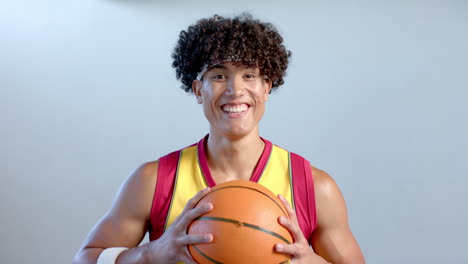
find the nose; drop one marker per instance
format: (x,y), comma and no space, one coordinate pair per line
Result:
(236,86)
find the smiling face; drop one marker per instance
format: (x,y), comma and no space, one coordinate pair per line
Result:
(233,98)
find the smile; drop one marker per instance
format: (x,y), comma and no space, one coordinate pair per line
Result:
(235,108)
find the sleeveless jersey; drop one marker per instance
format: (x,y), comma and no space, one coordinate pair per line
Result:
(183,173)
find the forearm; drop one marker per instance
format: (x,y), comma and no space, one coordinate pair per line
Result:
(87,256)
(320,260)
(130,256)
(135,255)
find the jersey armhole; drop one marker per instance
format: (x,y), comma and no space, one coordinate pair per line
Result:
(311,196)
(167,168)
(304,195)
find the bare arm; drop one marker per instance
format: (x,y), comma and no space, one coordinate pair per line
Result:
(333,239)
(125,224)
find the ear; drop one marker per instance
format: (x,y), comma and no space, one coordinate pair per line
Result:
(196,88)
(267,84)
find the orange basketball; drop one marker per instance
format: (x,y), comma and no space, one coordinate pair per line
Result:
(244,224)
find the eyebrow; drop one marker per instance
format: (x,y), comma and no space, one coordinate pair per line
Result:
(222,67)
(218,66)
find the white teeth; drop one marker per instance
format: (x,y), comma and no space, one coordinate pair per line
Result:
(235,108)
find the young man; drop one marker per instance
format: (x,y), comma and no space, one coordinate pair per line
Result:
(231,65)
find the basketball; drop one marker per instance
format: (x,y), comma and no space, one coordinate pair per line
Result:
(244,225)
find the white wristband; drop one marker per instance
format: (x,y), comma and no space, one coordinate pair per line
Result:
(109,255)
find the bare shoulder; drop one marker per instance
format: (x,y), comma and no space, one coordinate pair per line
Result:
(333,239)
(146,171)
(135,195)
(330,203)
(125,222)
(145,174)
(324,185)
(329,200)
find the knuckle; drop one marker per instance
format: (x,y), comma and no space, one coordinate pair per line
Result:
(191,203)
(180,241)
(174,243)
(289,249)
(191,214)
(296,228)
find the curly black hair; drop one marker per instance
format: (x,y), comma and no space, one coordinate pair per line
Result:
(241,39)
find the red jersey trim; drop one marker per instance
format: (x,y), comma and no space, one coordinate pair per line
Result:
(311,194)
(262,162)
(204,163)
(258,171)
(302,184)
(304,196)
(163,193)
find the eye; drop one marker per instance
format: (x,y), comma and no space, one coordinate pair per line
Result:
(249,76)
(219,77)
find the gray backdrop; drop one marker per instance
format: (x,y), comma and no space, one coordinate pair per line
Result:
(376,95)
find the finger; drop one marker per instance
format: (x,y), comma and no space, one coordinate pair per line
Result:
(292,224)
(289,209)
(291,249)
(293,228)
(192,203)
(187,259)
(195,199)
(194,239)
(291,212)
(187,256)
(189,216)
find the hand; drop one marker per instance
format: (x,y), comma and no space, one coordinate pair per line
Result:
(171,247)
(300,250)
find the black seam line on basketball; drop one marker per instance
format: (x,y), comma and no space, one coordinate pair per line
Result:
(243,224)
(206,256)
(250,188)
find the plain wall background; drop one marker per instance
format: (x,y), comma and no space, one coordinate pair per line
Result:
(376,95)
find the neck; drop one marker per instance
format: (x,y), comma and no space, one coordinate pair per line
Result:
(233,159)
